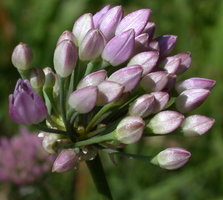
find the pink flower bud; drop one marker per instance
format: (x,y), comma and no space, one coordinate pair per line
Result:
(110,22)
(66,160)
(191,99)
(83,100)
(195,83)
(185,62)
(65,58)
(196,125)
(171,64)
(130,130)
(120,48)
(165,122)
(93,79)
(129,77)
(161,100)
(172,158)
(37,78)
(108,91)
(155,81)
(98,16)
(66,35)
(147,60)
(136,20)
(166,44)
(92,45)
(82,25)
(150,29)
(22,56)
(142,106)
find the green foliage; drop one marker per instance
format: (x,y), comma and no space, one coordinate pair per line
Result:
(199,26)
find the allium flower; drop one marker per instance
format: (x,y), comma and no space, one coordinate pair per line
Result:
(125,87)
(25,105)
(23,159)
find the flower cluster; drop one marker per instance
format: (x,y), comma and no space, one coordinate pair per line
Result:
(114,83)
(23,158)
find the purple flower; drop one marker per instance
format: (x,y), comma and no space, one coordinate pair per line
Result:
(25,105)
(23,159)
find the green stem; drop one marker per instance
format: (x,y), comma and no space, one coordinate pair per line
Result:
(63,108)
(98,175)
(25,74)
(95,119)
(50,130)
(133,156)
(90,67)
(94,140)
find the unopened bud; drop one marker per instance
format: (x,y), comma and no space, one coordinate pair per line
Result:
(191,99)
(66,35)
(92,79)
(165,122)
(130,130)
(22,56)
(154,81)
(65,58)
(65,161)
(196,125)
(172,158)
(50,78)
(129,77)
(142,106)
(83,100)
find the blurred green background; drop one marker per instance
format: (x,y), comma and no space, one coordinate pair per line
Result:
(199,26)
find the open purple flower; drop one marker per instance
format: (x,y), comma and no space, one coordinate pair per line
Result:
(25,105)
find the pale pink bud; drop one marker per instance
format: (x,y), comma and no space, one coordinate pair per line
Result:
(65,161)
(185,62)
(110,22)
(195,83)
(93,79)
(92,45)
(191,99)
(98,16)
(196,125)
(66,35)
(120,48)
(147,60)
(136,20)
(165,122)
(142,106)
(130,130)
(129,77)
(161,100)
(155,81)
(172,158)
(166,44)
(22,56)
(65,58)
(83,100)
(108,91)
(171,64)
(82,25)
